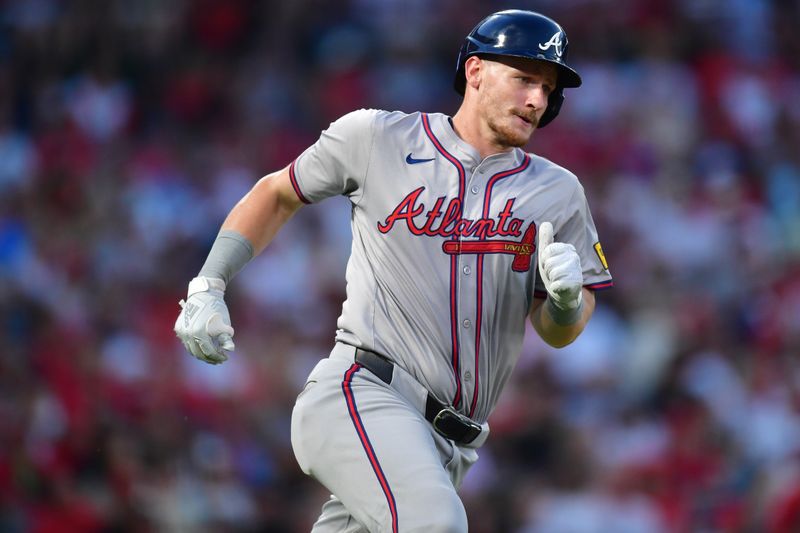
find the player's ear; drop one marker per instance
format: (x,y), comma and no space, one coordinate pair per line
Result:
(474,69)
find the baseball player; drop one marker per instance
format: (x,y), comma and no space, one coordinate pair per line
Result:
(459,236)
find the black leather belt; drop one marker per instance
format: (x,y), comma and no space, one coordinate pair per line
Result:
(445,420)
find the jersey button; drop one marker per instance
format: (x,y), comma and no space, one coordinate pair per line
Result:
(474,189)
(467,376)
(466,323)
(467,270)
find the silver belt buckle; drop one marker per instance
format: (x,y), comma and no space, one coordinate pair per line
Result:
(453,425)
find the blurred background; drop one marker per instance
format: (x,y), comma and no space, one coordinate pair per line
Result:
(128,129)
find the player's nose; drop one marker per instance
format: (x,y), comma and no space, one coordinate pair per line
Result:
(537,97)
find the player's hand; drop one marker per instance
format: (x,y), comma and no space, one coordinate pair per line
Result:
(204,324)
(560,270)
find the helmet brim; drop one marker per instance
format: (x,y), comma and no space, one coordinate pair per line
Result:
(567,77)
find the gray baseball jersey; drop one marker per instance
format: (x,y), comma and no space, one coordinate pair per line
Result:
(443,267)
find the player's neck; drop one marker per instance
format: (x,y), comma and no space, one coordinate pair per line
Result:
(469,128)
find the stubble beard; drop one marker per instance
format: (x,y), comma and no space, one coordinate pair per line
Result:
(505,136)
(503,130)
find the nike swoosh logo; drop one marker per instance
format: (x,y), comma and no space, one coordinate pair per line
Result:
(411,161)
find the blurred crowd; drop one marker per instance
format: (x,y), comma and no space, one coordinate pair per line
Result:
(129,129)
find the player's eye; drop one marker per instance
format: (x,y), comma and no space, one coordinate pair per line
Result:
(529,81)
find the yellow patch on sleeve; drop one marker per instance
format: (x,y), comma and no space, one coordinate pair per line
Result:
(599,250)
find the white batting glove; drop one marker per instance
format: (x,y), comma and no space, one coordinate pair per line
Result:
(560,270)
(204,324)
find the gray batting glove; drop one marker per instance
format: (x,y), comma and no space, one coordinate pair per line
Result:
(204,324)
(560,270)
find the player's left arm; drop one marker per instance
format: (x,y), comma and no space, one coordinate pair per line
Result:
(561,317)
(570,267)
(557,335)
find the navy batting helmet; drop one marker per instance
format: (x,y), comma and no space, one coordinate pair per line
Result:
(525,34)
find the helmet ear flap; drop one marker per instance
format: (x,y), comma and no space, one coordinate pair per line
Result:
(554,102)
(460,81)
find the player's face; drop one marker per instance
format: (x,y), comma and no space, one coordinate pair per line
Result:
(513,96)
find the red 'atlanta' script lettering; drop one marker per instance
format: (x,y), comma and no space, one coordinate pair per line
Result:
(449,222)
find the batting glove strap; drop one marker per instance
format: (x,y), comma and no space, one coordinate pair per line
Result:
(205,284)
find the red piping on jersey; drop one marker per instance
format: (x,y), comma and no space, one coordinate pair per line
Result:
(453,259)
(600,285)
(293,179)
(478,325)
(487,202)
(365,442)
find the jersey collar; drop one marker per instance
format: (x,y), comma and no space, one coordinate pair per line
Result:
(442,126)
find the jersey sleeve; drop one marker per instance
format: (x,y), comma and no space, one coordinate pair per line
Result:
(579,230)
(337,163)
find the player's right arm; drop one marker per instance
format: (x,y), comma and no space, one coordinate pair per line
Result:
(264,210)
(335,165)
(204,325)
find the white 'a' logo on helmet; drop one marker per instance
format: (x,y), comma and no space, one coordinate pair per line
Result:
(555,41)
